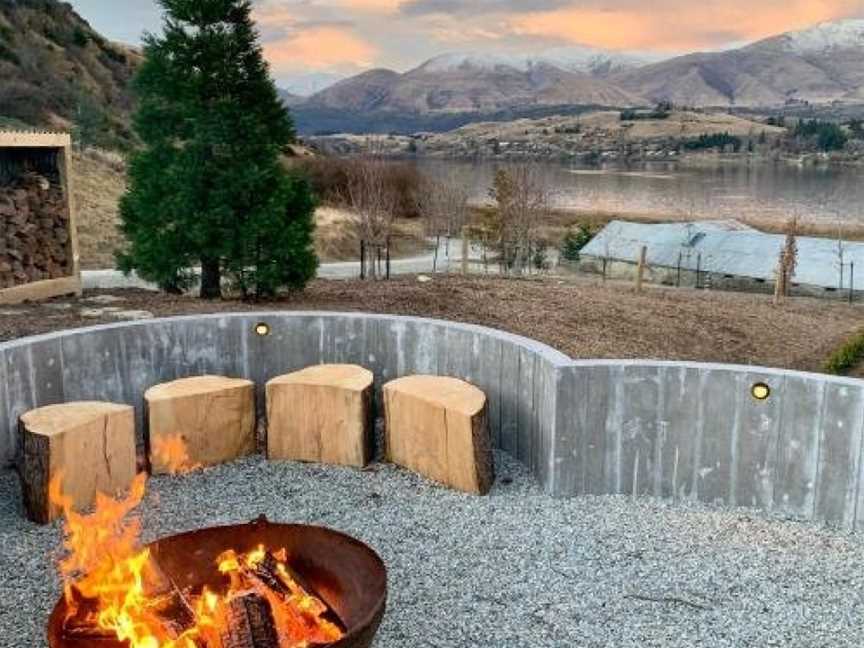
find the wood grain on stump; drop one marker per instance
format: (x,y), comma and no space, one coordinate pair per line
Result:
(438,426)
(321,414)
(92,444)
(211,418)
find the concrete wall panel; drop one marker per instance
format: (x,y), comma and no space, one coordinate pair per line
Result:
(678,431)
(802,413)
(636,427)
(757,439)
(839,455)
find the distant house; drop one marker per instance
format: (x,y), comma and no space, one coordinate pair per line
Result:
(725,255)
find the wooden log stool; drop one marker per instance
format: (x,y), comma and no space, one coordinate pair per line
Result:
(89,446)
(199,421)
(438,427)
(321,414)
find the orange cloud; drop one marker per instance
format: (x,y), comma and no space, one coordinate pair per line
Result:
(676,26)
(320,48)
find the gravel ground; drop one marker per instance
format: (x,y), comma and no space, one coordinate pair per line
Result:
(513,569)
(584,318)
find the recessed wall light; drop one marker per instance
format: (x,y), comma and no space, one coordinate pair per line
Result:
(262,329)
(760,391)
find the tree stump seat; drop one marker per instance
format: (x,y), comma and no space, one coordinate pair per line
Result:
(89,446)
(199,421)
(321,414)
(438,427)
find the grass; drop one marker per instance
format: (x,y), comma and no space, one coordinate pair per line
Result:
(847,356)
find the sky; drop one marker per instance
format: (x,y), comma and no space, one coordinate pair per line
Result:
(307,41)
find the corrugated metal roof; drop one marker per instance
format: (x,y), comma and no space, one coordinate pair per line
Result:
(745,253)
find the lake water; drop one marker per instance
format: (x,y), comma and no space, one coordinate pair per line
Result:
(758,191)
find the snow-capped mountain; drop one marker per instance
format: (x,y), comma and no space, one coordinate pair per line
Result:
(824,37)
(598,63)
(822,64)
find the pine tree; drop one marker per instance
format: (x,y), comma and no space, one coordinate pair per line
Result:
(207,188)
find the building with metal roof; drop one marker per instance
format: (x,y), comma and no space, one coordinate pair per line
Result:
(725,254)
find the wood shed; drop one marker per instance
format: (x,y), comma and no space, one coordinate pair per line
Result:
(38,240)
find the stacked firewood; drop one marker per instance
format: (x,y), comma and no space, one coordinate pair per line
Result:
(34,231)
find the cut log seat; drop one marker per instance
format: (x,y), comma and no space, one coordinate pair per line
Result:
(321,414)
(199,421)
(438,427)
(91,444)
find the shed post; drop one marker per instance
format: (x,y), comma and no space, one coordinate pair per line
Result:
(640,268)
(464,250)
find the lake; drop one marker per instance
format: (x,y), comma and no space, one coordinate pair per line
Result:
(761,191)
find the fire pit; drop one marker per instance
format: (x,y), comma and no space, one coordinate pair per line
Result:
(342,573)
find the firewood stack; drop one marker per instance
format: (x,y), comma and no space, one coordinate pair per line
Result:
(34,231)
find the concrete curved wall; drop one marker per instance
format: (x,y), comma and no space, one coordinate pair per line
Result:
(681,430)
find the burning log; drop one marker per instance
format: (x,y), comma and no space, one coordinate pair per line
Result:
(170,604)
(301,615)
(249,623)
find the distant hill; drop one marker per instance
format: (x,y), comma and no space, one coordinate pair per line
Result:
(55,69)
(448,91)
(818,65)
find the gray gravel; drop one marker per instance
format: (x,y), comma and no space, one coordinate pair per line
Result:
(513,569)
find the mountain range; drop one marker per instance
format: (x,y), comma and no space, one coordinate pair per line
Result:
(57,71)
(819,65)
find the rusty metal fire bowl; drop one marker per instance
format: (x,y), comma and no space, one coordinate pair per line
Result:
(345,573)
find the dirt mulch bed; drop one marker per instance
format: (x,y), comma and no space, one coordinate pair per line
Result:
(584,319)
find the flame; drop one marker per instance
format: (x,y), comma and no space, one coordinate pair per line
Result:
(172,454)
(113,585)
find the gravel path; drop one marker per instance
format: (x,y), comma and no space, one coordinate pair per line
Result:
(513,569)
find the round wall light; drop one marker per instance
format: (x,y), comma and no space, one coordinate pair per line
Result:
(760,391)
(262,329)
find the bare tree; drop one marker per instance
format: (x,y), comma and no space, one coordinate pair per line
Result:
(372,201)
(443,204)
(787,263)
(522,198)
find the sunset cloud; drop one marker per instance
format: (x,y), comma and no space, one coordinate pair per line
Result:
(320,48)
(345,36)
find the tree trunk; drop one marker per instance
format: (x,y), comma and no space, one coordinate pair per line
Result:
(211,279)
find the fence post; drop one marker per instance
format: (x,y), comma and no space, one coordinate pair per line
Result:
(851,281)
(698,270)
(388,258)
(464,251)
(678,280)
(640,268)
(362,259)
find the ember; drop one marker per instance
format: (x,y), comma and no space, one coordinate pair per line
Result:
(116,590)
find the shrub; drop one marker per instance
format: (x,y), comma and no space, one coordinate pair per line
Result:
(717,140)
(828,135)
(329,178)
(849,354)
(574,241)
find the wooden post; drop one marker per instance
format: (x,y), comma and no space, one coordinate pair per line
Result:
(678,279)
(362,259)
(698,270)
(388,258)
(464,250)
(640,269)
(851,281)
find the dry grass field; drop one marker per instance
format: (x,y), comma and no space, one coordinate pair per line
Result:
(584,318)
(99,182)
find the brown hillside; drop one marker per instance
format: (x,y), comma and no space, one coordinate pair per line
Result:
(56,71)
